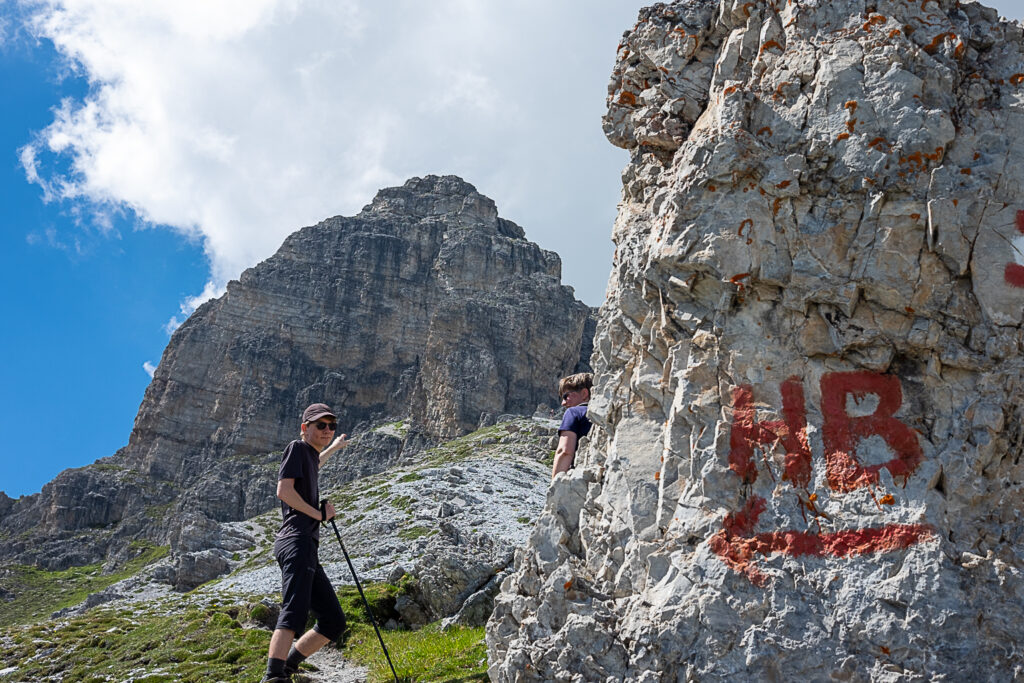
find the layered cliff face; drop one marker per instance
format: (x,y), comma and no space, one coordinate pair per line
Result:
(809,362)
(425,307)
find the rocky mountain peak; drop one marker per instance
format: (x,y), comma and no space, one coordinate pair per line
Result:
(425,308)
(438,196)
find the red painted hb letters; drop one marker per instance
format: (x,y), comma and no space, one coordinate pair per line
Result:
(747,432)
(842,432)
(737,543)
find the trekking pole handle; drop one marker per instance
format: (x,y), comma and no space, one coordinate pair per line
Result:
(323,511)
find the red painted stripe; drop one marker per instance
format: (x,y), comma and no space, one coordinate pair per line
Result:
(739,551)
(1020,221)
(1014,275)
(837,544)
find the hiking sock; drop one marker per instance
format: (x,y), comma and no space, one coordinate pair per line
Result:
(294,659)
(275,667)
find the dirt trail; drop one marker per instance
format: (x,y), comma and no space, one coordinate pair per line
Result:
(333,668)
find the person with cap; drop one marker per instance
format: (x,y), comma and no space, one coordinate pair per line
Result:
(304,584)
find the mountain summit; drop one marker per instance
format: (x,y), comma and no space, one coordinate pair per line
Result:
(426,307)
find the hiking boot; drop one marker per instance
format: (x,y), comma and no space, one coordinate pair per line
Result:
(277,678)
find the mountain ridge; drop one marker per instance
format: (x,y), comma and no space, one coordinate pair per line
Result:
(425,307)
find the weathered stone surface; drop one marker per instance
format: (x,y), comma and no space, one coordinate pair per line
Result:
(190,569)
(808,461)
(427,307)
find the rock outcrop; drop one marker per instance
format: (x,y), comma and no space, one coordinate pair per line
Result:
(426,307)
(808,461)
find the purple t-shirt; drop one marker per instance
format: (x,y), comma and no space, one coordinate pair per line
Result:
(575,420)
(300,462)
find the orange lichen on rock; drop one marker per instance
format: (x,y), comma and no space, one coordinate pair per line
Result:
(878,143)
(965,171)
(766,129)
(769,45)
(1017,79)
(850,124)
(778,90)
(851,106)
(918,160)
(745,223)
(875,19)
(776,205)
(627,98)
(895,33)
(784,184)
(937,41)
(735,279)
(842,136)
(915,216)
(887,499)
(746,9)
(730,90)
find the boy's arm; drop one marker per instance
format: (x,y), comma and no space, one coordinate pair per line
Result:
(286,492)
(565,452)
(336,445)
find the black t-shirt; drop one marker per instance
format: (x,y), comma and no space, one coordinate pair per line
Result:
(300,462)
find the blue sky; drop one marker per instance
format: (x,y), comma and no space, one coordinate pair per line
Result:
(151,151)
(85,307)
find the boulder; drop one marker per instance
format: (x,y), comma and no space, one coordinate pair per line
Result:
(807,461)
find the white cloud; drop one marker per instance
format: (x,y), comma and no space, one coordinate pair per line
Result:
(191,303)
(149,368)
(240,121)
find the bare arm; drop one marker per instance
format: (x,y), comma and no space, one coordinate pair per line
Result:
(565,452)
(338,444)
(286,492)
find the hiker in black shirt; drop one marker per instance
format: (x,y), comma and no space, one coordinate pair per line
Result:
(304,584)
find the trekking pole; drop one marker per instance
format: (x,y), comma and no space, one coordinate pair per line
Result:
(369,612)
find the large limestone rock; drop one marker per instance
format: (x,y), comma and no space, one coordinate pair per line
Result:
(426,307)
(809,361)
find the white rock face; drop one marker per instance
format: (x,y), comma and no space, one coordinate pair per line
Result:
(809,362)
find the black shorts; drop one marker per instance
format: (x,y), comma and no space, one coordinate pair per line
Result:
(305,587)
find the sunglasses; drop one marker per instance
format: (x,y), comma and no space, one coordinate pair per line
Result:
(331,426)
(565,396)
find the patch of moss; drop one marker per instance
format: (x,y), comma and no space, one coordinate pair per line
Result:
(39,592)
(194,646)
(403,503)
(105,467)
(427,654)
(414,532)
